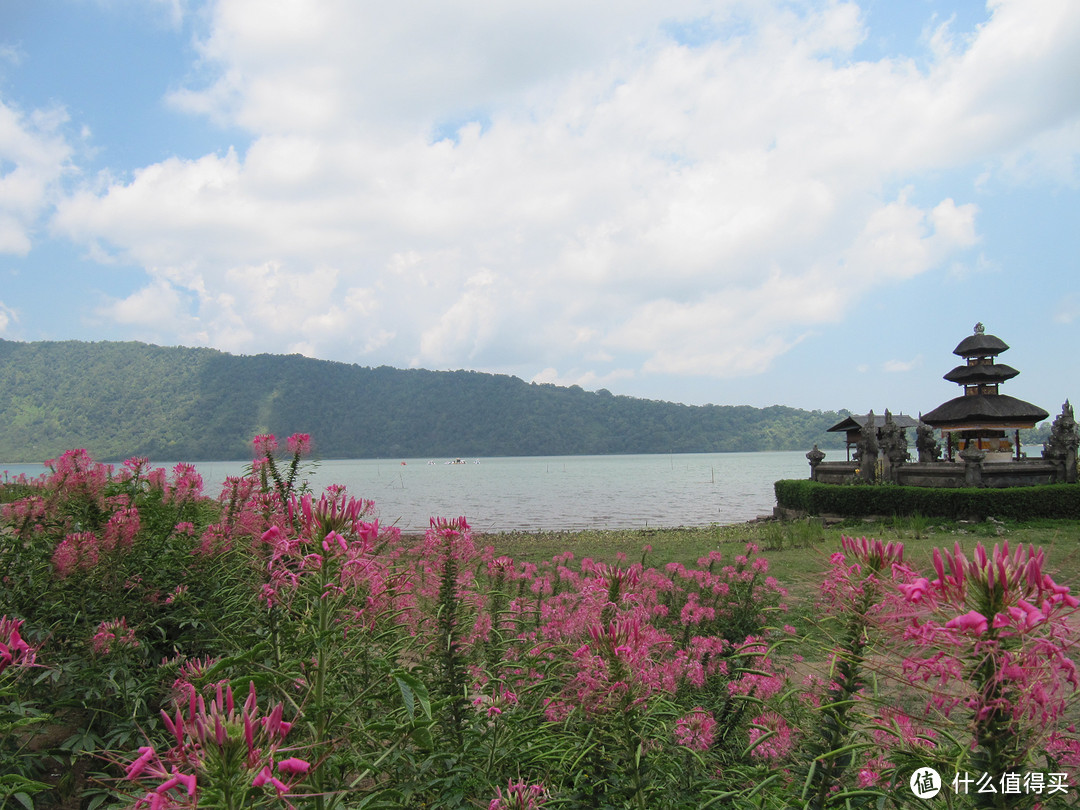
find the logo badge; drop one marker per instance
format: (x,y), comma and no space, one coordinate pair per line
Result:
(926,783)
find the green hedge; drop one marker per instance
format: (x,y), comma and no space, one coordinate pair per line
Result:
(1008,503)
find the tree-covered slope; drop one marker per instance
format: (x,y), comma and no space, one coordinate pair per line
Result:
(124,399)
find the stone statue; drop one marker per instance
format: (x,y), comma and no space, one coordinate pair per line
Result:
(1064,441)
(866,450)
(894,441)
(926,443)
(1063,434)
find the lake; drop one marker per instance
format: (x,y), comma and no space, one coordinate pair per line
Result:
(551,493)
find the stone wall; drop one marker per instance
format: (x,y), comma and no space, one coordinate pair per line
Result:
(1027,472)
(834,472)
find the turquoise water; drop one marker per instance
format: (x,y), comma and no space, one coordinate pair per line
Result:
(551,492)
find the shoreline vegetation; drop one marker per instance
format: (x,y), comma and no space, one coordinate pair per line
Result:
(267,648)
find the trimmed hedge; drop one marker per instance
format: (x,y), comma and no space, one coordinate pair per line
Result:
(1006,503)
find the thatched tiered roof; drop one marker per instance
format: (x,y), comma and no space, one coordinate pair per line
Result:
(982,406)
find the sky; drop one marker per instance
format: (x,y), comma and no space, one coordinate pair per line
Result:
(740,202)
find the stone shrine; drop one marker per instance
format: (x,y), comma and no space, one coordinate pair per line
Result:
(980,430)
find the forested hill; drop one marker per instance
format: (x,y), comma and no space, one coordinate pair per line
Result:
(131,399)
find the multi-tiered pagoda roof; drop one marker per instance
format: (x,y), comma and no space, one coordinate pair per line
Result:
(982,405)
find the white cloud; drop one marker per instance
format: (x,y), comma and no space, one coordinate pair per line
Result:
(556,186)
(900,366)
(901,240)
(151,306)
(33,157)
(7,316)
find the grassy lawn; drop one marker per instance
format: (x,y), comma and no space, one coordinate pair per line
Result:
(797,551)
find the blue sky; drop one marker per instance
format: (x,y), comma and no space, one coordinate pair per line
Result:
(807,203)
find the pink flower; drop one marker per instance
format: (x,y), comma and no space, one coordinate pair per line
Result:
(695,730)
(177,778)
(206,731)
(300,444)
(293,766)
(14,651)
(771,738)
(136,768)
(113,635)
(971,622)
(518,796)
(872,552)
(914,591)
(265,444)
(121,529)
(76,552)
(265,777)
(187,483)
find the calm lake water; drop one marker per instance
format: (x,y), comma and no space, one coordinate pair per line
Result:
(551,492)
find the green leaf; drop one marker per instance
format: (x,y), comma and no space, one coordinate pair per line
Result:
(406,696)
(407,682)
(422,736)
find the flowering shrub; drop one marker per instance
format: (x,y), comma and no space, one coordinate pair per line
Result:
(17,716)
(992,632)
(428,671)
(219,756)
(985,646)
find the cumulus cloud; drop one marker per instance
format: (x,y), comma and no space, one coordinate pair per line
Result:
(153,305)
(33,158)
(689,187)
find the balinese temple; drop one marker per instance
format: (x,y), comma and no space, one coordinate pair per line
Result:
(852,427)
(983,418)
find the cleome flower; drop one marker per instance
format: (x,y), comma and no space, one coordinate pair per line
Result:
(695,730)
(218,746)
(998,589)
(519,796)
(14,651)
(112,636)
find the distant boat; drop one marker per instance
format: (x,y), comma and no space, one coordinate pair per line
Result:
(459,461)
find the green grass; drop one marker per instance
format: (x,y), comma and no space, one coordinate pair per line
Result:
(797,551)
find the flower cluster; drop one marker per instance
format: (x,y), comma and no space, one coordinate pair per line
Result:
(1007,589)
(121,529)
(996,622)
(771,738)
(112,636)
(14,651)
(76,552)
(519,796)
(76,472)
(218,746)
(333,543)
(668,673)
(696,729)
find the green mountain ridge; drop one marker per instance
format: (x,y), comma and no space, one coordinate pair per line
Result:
(134,399)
